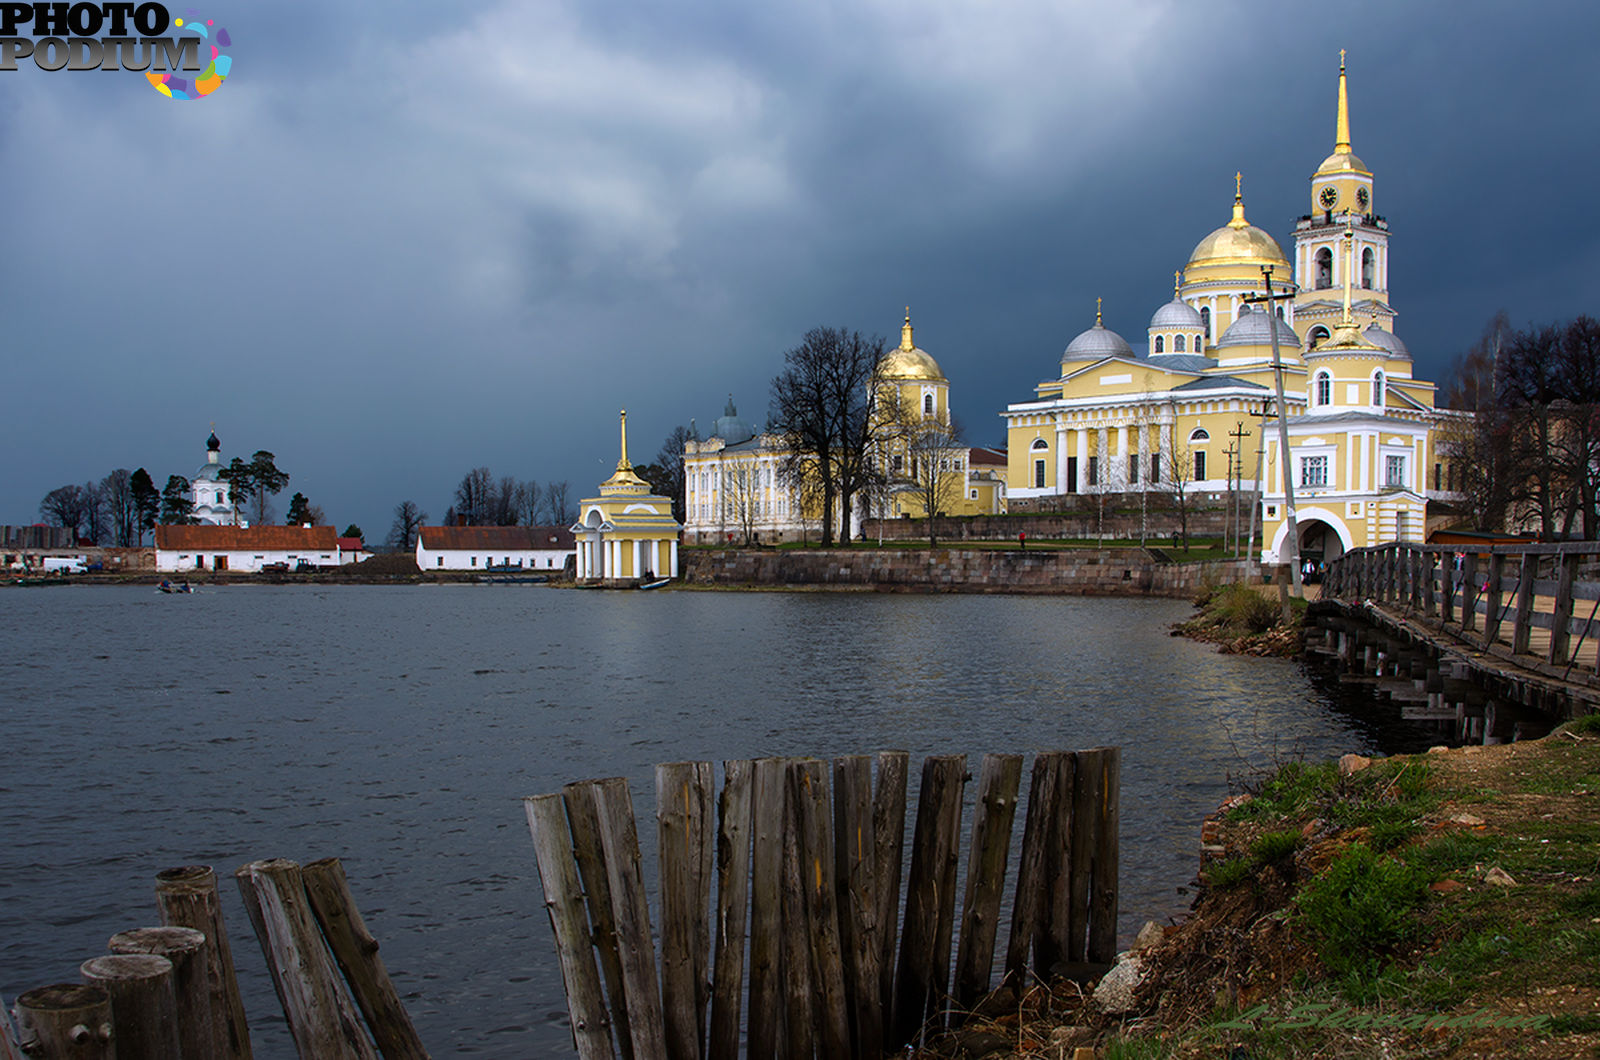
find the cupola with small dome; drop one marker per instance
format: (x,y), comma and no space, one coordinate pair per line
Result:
(1095,343)
(1176,327)
(732,428)
(907,362)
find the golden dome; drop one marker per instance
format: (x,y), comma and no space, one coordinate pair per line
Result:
(1342,162)
(1238,241)
(907,361)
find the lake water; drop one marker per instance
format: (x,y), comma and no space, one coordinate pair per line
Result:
(398,728)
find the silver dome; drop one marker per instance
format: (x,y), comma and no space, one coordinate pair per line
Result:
(1095,343)
(1388,340)
(731,427)
(1254,328)
(1177,314)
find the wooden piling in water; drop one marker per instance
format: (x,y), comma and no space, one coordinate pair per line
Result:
(583,815)
(794,978)
(923,981)
(1030,905)
(808,788)
(356,951)
(888,838)
(766,908)
(144,1017)
(683,833)
(563,899)
(186,896)
(1107,852)
(733,899)
(996,808)
(855,866)
(322,1015)
(630,911)
(66,1020)
(185,948)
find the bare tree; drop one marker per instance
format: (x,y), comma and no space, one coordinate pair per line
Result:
(474,498)
(1177,471)
(926,456)
(121,511)
(556,503)
(530,499)
(822,411)
(741,498)
(408,520)
(670,460)
(64,506)
(1475,436)
(96,526)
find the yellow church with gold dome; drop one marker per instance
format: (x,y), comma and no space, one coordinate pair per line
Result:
(1362,440)
(734,491)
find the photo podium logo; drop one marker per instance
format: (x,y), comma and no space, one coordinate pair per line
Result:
(141,38)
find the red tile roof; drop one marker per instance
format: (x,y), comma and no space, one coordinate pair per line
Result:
(498,538)
(352,544)
(246,538)
(983,455)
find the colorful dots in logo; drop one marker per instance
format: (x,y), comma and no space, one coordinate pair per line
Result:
(216,71)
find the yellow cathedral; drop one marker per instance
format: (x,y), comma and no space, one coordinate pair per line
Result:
(1362,439)
(627,534)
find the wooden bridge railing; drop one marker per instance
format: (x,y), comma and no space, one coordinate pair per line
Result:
(813,890)
(1475,589)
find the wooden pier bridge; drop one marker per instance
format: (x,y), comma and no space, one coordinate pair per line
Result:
(1498,641)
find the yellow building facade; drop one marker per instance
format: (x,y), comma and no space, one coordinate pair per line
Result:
(627,533)
(1193,410)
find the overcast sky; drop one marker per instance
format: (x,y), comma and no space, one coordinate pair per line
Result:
(406,239)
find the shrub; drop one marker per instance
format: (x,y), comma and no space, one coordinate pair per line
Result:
(1295,787)
(1360,908)
(1224,874)
(1274,846)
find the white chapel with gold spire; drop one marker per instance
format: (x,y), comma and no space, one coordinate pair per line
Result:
(627,534)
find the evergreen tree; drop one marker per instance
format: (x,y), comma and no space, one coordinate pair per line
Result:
(146,501)
(177,508)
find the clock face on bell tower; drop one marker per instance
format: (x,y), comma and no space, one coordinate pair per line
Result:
(1328,197)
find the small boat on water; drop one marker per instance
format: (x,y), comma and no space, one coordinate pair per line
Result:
(168,587)
(655,584)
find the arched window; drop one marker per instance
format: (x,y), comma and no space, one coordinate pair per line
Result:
(1280,312)
(1377,388)
(1324,267)
(1205,318)
(1324,389)
(927,404)
(1040,443)
(1197,344)
(1199,434)
(1318,335)
(1177,344)
(1367,263)
(1159,348)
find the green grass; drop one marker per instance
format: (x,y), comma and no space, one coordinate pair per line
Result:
(1360,910)
(1229,873)
(1292,790)
(1274,847)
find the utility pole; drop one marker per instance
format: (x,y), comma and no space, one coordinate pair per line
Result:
(1231,524)
(1238,434)
(1261,456)
(1291,527)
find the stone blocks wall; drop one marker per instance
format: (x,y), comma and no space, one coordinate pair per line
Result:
(1122,572)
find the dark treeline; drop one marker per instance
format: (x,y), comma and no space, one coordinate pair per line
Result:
(1529,456)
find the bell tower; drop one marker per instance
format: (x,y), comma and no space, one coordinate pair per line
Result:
(1341,198)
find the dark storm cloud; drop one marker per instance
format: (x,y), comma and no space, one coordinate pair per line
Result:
(407,239)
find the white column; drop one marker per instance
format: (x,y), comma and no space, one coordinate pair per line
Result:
(1061,458)
(1083,459)
(673,558)
(638,558)
(580,569)
(1122,454)
(1144,462)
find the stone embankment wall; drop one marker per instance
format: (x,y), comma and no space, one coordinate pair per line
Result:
(1127,572)
(1075,516)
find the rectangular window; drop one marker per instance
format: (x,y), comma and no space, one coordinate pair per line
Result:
(1313,471)
(1038,474)
(1133,470)
(1200,465)
(1155,467)
(439,562)
(1394,470)
(474,561)
(1094,471)
(899,463)
(1438,475)
(974,494)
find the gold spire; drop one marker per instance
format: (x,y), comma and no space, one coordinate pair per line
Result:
(1238,203)
(1097,321)
(1341,134)
(905,333)
(623,465)
(1177,283)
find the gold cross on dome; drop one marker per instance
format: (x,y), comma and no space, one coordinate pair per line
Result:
(1238,185)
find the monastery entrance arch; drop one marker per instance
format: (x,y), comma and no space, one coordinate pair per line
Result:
(591,555)
(1323,536)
